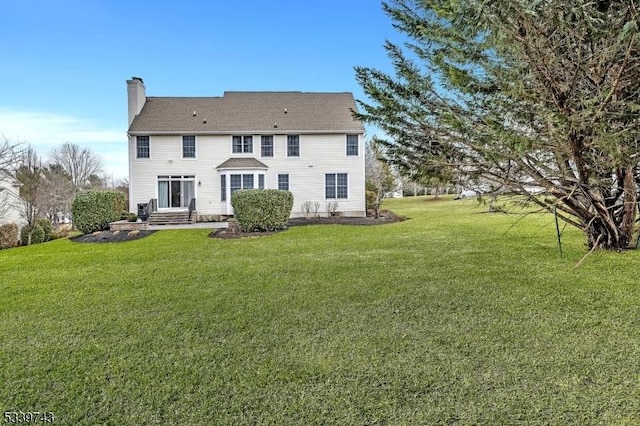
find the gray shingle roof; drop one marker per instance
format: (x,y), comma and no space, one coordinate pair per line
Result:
(249,112)
(242,163)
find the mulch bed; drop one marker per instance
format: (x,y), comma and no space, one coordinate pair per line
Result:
(111,236)
(233,232)
(386,216)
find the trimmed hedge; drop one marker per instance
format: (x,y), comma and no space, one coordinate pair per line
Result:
(93,210)
(8,236)
(261,210)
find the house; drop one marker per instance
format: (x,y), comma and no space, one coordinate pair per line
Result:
(10,202)
(196,151)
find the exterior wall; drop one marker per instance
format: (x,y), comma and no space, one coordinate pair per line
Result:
(10,204)
(319,154)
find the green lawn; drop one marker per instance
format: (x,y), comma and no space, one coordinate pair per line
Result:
(452,317)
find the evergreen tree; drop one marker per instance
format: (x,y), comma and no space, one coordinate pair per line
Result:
(519,94)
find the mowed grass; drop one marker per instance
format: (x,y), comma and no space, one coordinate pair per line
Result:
(452,317)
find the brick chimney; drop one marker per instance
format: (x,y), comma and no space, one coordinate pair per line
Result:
(137,97)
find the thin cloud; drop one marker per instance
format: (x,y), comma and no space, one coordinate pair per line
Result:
(45,131)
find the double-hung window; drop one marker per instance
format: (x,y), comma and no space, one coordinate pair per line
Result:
(241,181)
(188,147)
(336,186)
(352,144)
(293,146)
(283,182)
(266,145)
(242,144)
(142,146)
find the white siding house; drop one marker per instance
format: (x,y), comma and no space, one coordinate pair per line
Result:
(10,202)
(204,148)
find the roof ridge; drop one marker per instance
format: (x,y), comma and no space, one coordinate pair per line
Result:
(287,91)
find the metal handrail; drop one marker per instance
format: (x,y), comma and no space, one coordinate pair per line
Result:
(192,207)
(152,206)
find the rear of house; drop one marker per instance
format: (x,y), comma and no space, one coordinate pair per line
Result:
(196,151)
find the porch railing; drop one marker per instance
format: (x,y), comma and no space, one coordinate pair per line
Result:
(192,207)
(152,206)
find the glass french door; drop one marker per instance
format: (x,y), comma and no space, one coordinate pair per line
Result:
(175,191)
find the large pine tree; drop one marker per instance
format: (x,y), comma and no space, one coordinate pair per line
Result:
(519,93)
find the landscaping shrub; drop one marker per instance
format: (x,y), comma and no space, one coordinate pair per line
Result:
(261,210)
(93,210)
(371,197)
(8,236)
(46,226)
(132,217)
(61,231)
(37,234)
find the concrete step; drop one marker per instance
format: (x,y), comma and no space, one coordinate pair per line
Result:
(171,218)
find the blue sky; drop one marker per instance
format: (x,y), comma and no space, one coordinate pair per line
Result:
(64,63)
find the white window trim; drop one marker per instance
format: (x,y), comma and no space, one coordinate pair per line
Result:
(346,145)
(348,186)
(253,146)
(273,147)
(195,138)
(135,147)
(288,179)
(299,147)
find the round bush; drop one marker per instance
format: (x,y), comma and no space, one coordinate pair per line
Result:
(46,227)
(37,235)
(8,236)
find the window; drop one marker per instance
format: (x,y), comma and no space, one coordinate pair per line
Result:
(247,181)
(240,182)
(293,146)
(142,146)
(242,144)
(336,186)
(260,181)
(188,147)
(223,187)
(266,143)
(236,183)
(283,182)
(352,144)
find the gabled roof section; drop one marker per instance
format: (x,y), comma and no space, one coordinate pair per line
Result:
(242,163)
(249,112)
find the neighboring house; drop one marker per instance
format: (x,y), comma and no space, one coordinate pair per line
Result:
(205,148)
(10,202)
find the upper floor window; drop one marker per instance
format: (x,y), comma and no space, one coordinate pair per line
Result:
(283,182)
(352,144)
(188,147)
(142,146)
(242,144)
(266,146)
(336,186)
(293,146)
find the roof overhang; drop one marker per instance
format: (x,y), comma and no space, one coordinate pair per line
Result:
(242,163)
(245,132)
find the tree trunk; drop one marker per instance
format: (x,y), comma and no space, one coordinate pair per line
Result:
(606,231)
